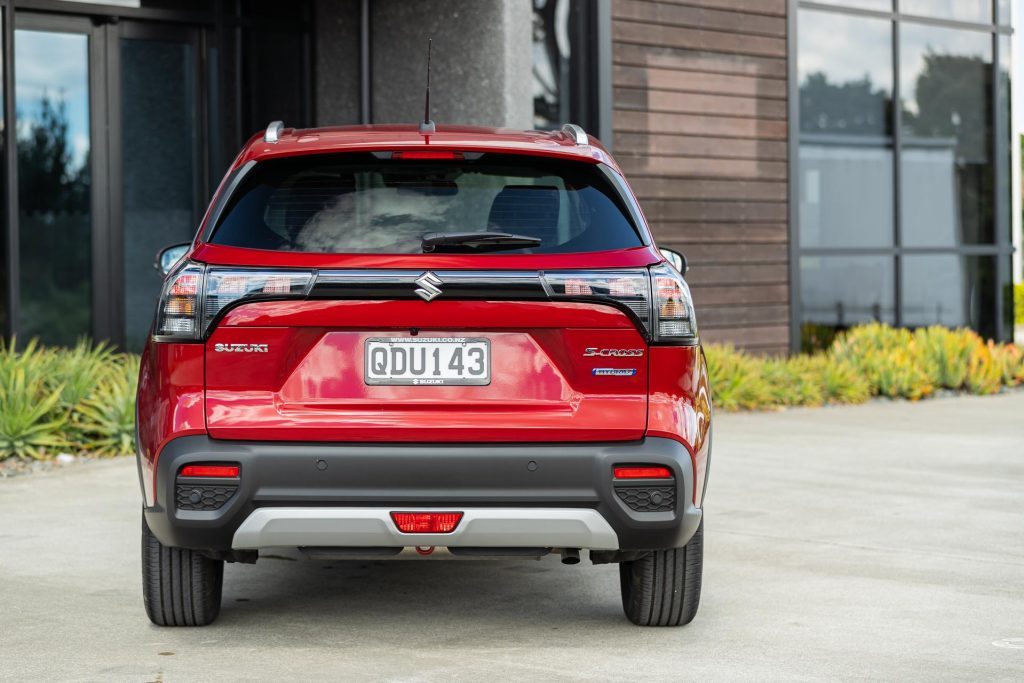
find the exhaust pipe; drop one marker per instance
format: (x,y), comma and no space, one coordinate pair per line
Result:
(570,556)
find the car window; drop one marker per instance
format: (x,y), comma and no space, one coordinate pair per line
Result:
(360,203)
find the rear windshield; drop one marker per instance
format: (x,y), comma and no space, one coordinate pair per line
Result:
(364,204)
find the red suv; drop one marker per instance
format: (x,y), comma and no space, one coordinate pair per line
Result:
(392,342)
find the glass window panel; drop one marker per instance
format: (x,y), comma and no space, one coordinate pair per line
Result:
(947,170)
(979,11)
(845,84)
(273,62)
(839,291)
(159,129)
(563,64)
(846,161)
(1003,144)
(1004,12)
(51,82)
(950,290)
(846,195)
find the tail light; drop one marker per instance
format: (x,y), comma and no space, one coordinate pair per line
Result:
(194,295)
(629,287)
(674,321)
(669,320)
(178,315)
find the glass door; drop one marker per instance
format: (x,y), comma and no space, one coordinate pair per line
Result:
(55,84)
(157,183)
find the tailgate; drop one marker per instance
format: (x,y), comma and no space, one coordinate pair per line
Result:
(297,371)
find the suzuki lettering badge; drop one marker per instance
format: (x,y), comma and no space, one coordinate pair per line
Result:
(428,289)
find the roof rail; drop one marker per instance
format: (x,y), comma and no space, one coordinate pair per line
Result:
(273,133)
(578,135)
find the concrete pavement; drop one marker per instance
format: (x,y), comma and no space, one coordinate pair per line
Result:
(879,541)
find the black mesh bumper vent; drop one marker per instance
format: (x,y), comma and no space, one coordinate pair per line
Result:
(203,497)
(648,498)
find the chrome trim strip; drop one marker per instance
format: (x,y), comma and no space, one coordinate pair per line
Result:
(343,277)
(292,527)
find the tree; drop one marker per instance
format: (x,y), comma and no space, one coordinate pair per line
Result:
(48,181)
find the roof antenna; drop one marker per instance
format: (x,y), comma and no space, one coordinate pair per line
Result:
(427,126)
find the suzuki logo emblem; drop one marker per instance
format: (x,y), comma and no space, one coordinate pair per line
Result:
(428,289)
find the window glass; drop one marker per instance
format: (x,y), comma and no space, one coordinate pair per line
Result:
(947,170)
(361,204)
(950,290)
(845,85)
(1004,141)
(979,11)
(158,193)
(51,86)
(564,70)
(846,160)
(839,291)
(1004,12)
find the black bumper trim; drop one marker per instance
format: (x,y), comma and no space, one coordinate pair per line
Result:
(380,475)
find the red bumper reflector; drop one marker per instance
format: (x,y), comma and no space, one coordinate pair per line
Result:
(642,473)
(426,522)
(220,471)
(416,154)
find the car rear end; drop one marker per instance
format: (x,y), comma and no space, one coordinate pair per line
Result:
(426,348)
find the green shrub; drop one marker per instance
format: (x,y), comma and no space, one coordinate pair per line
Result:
(984,374)
(736,379)
(888,358)
(946,354)
(79,399)
(840,381)
(80,369)
(1018,303)
(1010,359)
(105,421)
(30,424)
(793,381)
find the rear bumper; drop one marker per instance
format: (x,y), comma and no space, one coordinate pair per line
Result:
(329,494)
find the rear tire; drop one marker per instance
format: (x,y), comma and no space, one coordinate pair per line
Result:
(663,589)
(179,587)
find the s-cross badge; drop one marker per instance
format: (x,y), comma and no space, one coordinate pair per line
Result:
(428,289)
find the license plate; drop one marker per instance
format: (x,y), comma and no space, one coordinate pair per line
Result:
(427,361)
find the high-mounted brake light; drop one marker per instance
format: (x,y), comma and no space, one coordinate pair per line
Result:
(426,522)
(427,154)
(642,472)
(214,471)
(193,295)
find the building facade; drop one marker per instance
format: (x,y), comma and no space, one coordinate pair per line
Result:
(819,163)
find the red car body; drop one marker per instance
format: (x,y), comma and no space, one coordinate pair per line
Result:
(307,386)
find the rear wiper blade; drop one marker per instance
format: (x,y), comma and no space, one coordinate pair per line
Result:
(475,241)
